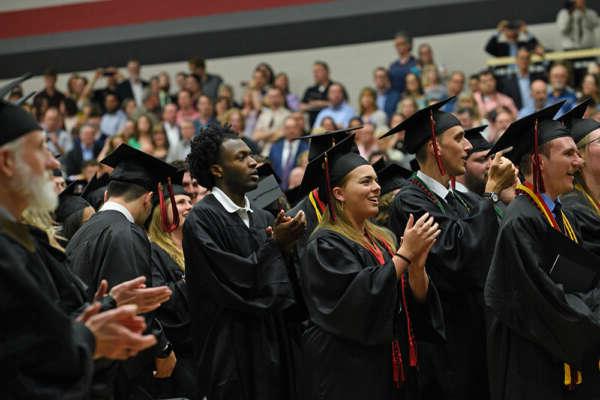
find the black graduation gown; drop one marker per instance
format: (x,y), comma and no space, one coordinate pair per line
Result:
(43,353)
(311,219)
(238,286)
(356,310)
(586,219)
(534,325)
(457,265)
(110,247)
(174,316)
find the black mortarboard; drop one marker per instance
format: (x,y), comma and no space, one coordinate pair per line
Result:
(575,122)
(321,142)
(136,167)
(14,121)
(424,125)
(294,195)
(477,140)
(70,201)
(94,191)
(390,176)
(25,98)
(265,170)
(329,168)
(527,134)
(266,192)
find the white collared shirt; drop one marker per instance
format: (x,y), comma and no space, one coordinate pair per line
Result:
(289,149)
(138,92)
(111,205)
(459,187)
(231,207)
(433,185)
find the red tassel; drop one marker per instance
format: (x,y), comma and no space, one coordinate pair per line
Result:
(397,366)
(328,183)
(163,209)
(412,348)
(453,182)
(538,181)
(436,149)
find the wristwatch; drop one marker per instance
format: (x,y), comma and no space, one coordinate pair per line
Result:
(492,196)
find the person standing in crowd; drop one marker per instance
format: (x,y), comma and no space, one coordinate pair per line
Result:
(112,245)
(206,115)
(339,110)
(543,337)
(559,88)
(510,36)
(186,107)
(282,81)
(414,90)
(458,261)
(45,353)
(577,25)
(59,140)
(111,75)
(236,271)
(50,95)
(183,146)
(209,82)
(353,267)
(368,110)
(132,87)
(316,97)
(285,153)
(269,126)
(169,122)
(387,98)
(86,148)
(584,202)
(404,64)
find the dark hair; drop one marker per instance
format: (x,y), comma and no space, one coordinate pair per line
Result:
(89,163)
(468,110)
(322,64)
(180,165)
(206,151)
(406,36)
(525,162)
(487,72)
(50,72)
(129,191)
(197,62)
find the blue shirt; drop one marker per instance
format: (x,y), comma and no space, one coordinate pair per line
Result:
(551,204)
(397,73)
(87,153)
(567,95)
(525,91)
(341,114)
(530,110)
(112,123)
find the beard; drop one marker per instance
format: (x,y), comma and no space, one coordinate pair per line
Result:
(475,184)
(38,189)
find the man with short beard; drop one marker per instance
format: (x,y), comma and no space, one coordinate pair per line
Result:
(43,353)
(458,261)
(477,164)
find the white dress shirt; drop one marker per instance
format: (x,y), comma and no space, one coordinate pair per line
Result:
(231,207)
(433,185)
(111,205)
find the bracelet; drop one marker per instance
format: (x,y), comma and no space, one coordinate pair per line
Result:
(404,258)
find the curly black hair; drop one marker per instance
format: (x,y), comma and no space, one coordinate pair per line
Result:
(205,151)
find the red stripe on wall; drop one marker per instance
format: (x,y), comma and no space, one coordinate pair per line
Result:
(74,17)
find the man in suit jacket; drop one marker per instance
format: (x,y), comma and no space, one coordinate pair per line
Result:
(286,152)
(84,149)
(510,36)
(132,88)
(517,85)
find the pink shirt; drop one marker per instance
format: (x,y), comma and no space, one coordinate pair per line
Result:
(187,116)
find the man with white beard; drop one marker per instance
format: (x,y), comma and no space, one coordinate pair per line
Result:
(43,353)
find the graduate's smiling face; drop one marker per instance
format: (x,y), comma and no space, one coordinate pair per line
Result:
(359,193)
(454,148)
(236,169)
(184,205)
(559,164)
(591,153)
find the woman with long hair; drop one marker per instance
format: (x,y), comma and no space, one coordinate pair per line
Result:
(367,101)
(414,90)
(160,142)
(282,81)
(590,87)
(142,137)
(168,268)
(361,290)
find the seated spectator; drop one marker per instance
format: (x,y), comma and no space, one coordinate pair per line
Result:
(164,86)
(269,126)
(183,147)
(130,108)
(366,141)
(76,92)
(133,87)
(425,58)
(85,148)
(396,153)
(467,100)
(407,107)
(250,113)
(474,83)
(282,81)
(160,143)
(590,87)
(559,90)
(466,116)
(517,85)
(193,83)
(206,113)
(338,108)
(222,105)
(432,84)
(169,122)
(209,82)
(577,25)
(89,169)
(315,97)
(70,114)
(150,107)
(235,119)
(539,95)
(456,85)
(488,98)
(414,90)
(328,124)
(301,120)
(387,98)
(267,71)
(142,137)
(510,36)
(226,91)
(186,107)
(404,64)
(368,108)
(285,152)
(51,96)
(114,118)
(59,141)
(499,120)
(111,144)
(180,80)
(258,85)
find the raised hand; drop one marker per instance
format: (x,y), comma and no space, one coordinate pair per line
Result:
(135,292)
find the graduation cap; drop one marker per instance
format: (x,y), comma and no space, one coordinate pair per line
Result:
(267,191)
(425,125)
(391,176)
(14,121)
(320,142)
(527,134)
(136,167)
(70,201)
(265,170)
(575,122)
(25,98)
(94,191)
(294,195)
(477,140)
(329,168)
